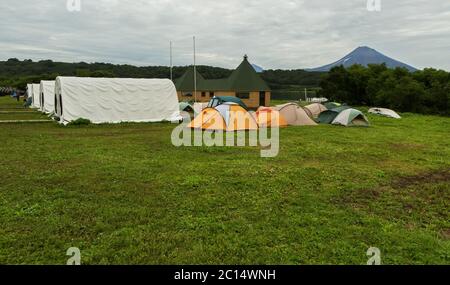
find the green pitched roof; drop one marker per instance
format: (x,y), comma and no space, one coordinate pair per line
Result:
(186,82)
(217,84)
(243,79)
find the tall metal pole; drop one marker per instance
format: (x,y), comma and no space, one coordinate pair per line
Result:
(195,73)
(171,62)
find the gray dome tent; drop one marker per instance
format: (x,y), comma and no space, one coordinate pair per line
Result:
(328,117)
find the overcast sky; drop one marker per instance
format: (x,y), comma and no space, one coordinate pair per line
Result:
(287,34)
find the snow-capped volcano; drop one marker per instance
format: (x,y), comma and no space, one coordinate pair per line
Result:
(364,56)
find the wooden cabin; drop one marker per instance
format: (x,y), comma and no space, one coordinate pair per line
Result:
(244,83)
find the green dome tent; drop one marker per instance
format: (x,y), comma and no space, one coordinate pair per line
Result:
(328,117)
(351,118)
(216,101)
(332,105)
(184,106)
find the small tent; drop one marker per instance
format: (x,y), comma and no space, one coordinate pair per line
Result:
(385,112)
(316,109)
(216,101)
(328,116)
(227,117)
(295,115)
(269,118)
(332,105)
(199,107)
(351,118)
(186,107)
(116,100)
(47,96)
(28,102)
(36,97)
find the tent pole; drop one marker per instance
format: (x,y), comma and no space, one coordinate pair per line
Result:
(171,62)
(195,73)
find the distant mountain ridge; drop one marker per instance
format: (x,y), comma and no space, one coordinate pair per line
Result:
(364,56)
(257,68)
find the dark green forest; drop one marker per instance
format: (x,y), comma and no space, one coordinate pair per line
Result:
(17,74)
(426,91)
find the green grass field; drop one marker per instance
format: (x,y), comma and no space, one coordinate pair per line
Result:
(124,195)
(11,110)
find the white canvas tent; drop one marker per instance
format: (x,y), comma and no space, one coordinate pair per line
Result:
(36,101)
(116,100)
(47,96)
(385,112)
(30,90)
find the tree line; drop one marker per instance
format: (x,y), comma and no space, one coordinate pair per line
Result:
(16,73)
(426,91)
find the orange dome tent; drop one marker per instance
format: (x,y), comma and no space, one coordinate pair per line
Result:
(229,117)
(267,117)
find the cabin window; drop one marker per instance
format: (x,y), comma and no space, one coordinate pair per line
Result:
(243,95)
(211,94)
(186,94)
(203,94)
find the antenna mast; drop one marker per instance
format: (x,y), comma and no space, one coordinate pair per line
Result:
(195,73)
(171,62)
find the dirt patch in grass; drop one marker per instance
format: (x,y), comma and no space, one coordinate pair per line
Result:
(406,146)
(446,234)
(397,184)
(421,178)
(420,200)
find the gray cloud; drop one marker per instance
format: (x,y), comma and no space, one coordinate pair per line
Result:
(275,34)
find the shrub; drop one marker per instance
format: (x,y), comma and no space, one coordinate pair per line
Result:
(80,122)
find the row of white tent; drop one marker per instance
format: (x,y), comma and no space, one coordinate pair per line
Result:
(106,100)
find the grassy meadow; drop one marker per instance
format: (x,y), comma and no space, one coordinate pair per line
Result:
(124,195)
